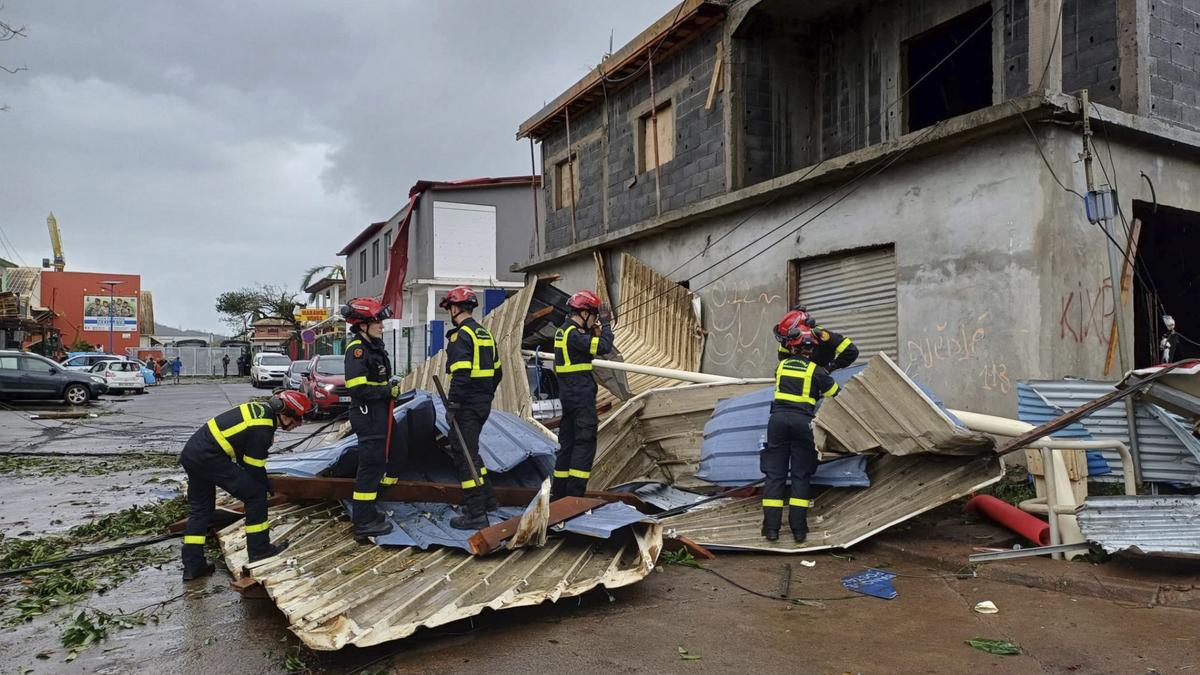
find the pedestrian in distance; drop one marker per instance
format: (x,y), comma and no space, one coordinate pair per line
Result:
(230,452)
(582,337)
(225,366)
(372,391)
(176,368)
(791,452)
(473,363)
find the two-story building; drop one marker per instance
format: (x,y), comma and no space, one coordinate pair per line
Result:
(450,233)
(911,172)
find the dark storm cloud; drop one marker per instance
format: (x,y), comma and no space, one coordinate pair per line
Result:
(213,145)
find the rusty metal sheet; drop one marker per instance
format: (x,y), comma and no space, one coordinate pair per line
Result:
(335,592)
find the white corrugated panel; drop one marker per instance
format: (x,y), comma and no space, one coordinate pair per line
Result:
(854,294)
(1163,455)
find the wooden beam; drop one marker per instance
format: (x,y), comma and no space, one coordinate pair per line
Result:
(541,313)
(678,542)
(299,489)
(1114,335)
(718,66)
(490,539)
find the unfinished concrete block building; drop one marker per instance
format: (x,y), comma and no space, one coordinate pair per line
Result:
(910,171)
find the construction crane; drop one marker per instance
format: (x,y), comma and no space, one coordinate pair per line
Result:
(60,263)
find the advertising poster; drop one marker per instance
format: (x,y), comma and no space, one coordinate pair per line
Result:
(96,309)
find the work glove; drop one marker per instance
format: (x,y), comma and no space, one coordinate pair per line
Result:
(395,382)
(605,315)
(450,416)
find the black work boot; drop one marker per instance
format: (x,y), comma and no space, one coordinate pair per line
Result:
(268,551)
(196,570)
(470,521)
(799,535)
(770,535)
(799,525)
(375,528)
(491,504)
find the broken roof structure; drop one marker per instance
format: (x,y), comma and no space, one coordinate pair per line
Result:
(1167,524)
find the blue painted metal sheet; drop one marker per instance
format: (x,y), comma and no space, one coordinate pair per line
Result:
(602,521)
(426,524)
(873,582)
(492,298)
(437,337)
(660,495)
(1033,408)
(732,437)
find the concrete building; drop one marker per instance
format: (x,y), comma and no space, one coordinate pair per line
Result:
(450,233)
(903,169)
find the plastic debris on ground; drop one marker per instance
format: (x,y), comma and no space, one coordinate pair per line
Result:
(986,607)
(872,582)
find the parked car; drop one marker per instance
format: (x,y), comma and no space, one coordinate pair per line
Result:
(32,377)
(267,369)
(83,361)
(294,379)
(325,384)
(121,376)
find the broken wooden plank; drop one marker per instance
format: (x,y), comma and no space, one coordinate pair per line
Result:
(490,539)
(1126,286)
(1082,411)
(682,543)
(718,66)
(419,491)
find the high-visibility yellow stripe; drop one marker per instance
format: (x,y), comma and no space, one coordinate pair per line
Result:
(353,343)
(468,484)
(254,461)
(594,346)
(831,391)
(806,375)
(257,527)
(220,438)
(796,501)
(773,503)
(388,480)
(562,474)
(842,346)
(361,381)
(576,473)
(194,539)
(365,496)
(560,346)
(483,471)
(460,365)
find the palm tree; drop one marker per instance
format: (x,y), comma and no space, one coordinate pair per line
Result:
(321,272)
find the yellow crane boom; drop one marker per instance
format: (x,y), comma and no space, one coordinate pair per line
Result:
(60,263)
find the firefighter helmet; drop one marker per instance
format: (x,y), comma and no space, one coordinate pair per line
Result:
(291,403)
(804,342)
(460,295)
(584,301)
(790,326)
(365,310)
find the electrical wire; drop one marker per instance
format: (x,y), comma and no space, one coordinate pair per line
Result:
(1057,30)
(90,554)
(653,51)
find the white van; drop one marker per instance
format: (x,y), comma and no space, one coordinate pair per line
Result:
(267,369)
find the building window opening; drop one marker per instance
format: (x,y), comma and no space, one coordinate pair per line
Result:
(963,83)
(1167,282)
(664,139)
(566,172)
(362,266)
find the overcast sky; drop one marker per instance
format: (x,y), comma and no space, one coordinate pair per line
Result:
(213,145)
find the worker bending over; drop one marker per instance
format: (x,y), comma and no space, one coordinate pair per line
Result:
(833,351)
(230,451)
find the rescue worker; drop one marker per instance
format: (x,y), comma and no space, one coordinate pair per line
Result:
(230,451)
(473,362)
(799,384)
(369,382)
(834,350)
(583,336)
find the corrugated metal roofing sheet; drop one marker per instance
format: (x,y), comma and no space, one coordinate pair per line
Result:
(661,495)
(1164,453)
(603,521)
(335,592)
(1035,410)
(427,524)
(1143,523)
(656,325)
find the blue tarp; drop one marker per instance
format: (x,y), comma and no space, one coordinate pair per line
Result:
(1033,408)
(514,452)
(732,436)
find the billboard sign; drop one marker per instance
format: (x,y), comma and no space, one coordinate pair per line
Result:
(97,310)
(312,314)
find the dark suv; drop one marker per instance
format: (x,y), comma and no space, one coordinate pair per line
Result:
(28,376)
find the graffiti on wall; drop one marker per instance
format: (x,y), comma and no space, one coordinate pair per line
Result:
(958,346)
(1087,311)
(740,328)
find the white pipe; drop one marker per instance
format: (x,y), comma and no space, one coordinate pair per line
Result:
(671,373)
(1003,426)
(1051,500)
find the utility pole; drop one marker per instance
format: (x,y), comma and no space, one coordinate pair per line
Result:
(1104,209)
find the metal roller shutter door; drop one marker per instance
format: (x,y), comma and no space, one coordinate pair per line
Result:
(854,294)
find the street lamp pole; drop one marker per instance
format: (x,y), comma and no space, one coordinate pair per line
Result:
(111,286)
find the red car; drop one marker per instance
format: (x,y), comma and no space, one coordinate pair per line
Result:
(325,384)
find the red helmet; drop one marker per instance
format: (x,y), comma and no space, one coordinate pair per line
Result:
(790,325)
(461,295)
(365,310)
(584,301)
(292,403)
(804,342)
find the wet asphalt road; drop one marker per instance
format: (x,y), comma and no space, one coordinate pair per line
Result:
(206,628)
